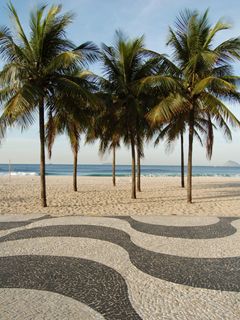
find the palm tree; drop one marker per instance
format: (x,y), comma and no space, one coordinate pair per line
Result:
(113,144)
(36,68)
(3,128)
(207,78)
(104,124)
(143,130)
(171,131)
(70,114)
(125,65)
(176,129)
(140,154)
(58,124)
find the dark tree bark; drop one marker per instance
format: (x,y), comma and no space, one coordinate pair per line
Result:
(75,161)
(182,161)
(133,168)
(190,152)
(138,170)
(114,166)
(42,154)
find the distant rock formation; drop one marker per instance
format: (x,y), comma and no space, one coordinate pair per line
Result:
(231,163)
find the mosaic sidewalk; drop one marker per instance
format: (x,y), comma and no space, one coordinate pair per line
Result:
(119,268)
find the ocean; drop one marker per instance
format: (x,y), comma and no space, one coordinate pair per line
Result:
(105,170)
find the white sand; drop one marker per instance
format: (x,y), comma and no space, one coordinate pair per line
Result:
(212,196)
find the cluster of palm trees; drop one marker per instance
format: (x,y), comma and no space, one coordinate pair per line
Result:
(141,95)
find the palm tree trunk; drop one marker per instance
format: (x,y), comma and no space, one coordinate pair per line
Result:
(190,151)
(133,168)
(182,161)
(138,170)
(75,160)
(42,153)
(114,166)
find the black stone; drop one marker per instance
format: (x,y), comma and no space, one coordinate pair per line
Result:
(17,224)
(211,273)
(222,228)
(96,285)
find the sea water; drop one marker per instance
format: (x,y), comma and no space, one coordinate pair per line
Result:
(105,170)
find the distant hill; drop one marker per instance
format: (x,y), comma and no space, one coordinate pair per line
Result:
(231,163)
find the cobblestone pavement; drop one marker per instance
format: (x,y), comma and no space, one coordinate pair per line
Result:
(119,268)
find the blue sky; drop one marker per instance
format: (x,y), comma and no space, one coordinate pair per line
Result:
(96,21)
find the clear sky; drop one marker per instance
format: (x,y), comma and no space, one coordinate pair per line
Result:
(96,20)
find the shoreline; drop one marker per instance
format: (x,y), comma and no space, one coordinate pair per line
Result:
(212,196)
(58,170)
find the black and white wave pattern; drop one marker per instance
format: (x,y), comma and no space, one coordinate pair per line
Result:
(120,268)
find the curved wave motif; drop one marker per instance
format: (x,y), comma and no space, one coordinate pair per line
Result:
(6,225)
(38,305)
(96,285)
(210,273)
(178,221)
(204,248)
(152,298)
(222,228)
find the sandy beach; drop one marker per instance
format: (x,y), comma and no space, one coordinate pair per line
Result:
(213,196)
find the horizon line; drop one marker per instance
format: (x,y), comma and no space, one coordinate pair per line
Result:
(120,164)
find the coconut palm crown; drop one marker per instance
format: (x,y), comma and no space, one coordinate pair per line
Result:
(125,65)
(37,67)
(203,76)
(71,114)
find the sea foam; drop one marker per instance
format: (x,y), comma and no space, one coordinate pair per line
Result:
(19,173)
